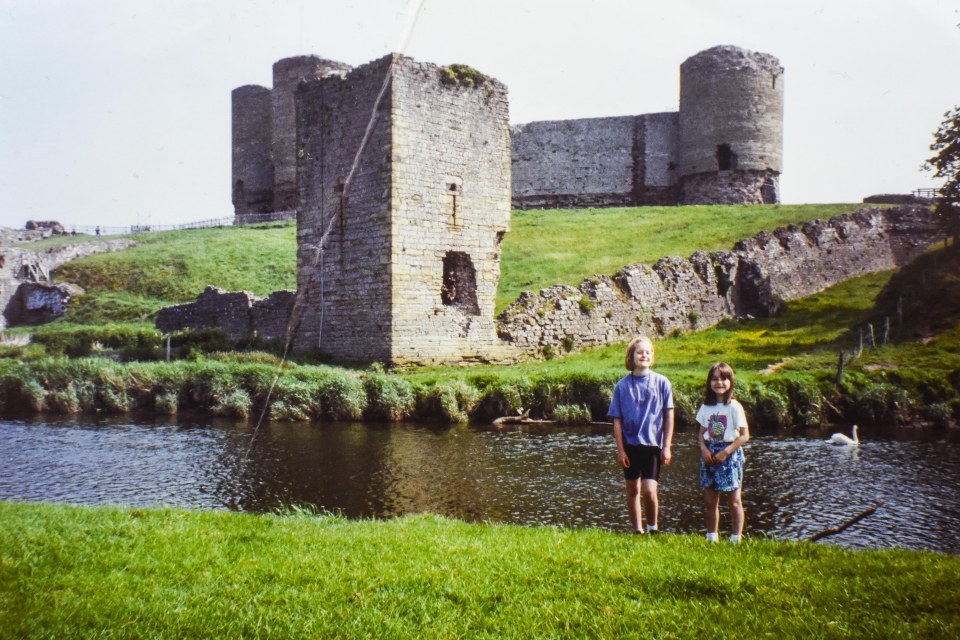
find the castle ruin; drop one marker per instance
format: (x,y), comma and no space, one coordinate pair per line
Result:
(724,145)
(400,176)
(399,245)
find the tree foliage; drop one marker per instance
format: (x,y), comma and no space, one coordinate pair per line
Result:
(946,164)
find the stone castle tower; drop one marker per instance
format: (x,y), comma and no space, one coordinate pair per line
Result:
(264,136)
(723,146)
(399,246)
(731,127)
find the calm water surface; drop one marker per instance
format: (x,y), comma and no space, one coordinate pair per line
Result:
(795,485)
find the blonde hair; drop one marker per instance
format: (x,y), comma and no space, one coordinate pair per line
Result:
(628,359)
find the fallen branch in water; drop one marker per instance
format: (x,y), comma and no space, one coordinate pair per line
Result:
(849,523)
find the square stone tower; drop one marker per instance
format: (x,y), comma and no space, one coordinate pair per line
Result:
(401,212)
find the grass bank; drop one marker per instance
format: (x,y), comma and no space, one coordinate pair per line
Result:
(543,248)
(787,365)
(565,246)
(72,572)
(787,370)
(170,267)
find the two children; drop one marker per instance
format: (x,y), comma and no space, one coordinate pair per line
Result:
(642,412)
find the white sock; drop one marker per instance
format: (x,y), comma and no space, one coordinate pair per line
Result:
(735,538)
(713,537)
(651,527)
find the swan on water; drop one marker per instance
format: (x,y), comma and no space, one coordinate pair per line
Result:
(841,440)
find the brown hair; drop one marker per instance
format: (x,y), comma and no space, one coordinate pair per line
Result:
(628,359)
(725,371)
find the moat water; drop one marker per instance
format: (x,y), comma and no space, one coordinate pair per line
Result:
(795,484)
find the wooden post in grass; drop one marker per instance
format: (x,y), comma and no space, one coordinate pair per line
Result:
(886,330)
(873,341)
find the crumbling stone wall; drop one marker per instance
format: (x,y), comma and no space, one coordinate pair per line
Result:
(240,314)
(409,264)
(20,267)
(39,302)
(751,280)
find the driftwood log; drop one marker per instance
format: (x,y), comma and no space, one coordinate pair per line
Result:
(849,523)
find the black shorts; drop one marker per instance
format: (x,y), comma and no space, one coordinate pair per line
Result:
(644,462)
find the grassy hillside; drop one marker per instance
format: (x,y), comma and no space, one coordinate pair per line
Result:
(71,572)
(175,266)
(543,248)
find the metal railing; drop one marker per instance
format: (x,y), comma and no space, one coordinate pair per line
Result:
(252,218)
(929,193)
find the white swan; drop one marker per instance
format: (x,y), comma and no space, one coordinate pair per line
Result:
(841,440)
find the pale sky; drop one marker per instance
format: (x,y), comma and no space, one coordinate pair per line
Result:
(118,112)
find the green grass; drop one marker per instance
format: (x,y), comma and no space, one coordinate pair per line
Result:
(544,248)
(175,266)
(804,329)
(72,572)
(786,370)
(548,247)
(797,347)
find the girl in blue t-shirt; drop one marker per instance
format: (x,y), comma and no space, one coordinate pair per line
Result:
(723,432)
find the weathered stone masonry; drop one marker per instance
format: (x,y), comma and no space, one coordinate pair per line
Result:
(27,295)
(264,139)
(751,280)
(240,314)
(411,239)
(724,146)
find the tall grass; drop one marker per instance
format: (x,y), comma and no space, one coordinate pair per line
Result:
(786,365)
(70,572)
(786,372)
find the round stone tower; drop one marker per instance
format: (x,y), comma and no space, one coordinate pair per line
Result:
(731,127)
(252,107)
(288,73)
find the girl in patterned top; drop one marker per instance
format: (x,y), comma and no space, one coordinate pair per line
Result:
(723,432)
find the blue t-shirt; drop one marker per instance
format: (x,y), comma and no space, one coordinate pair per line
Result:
(639,402)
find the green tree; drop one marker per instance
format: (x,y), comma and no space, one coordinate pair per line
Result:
(946,164)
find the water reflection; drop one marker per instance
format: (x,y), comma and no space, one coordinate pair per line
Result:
(795,484)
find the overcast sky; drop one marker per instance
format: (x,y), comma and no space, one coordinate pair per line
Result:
(118,112)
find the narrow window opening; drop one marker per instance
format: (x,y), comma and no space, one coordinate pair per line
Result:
(459,287)
(768,193)
(726,158)
(453,187)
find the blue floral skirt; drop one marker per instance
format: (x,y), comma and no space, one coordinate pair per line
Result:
(726,476)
